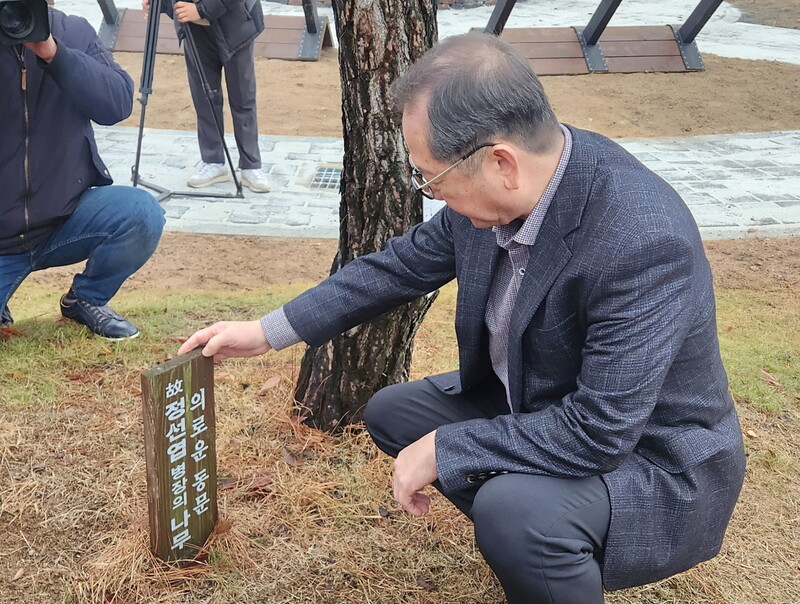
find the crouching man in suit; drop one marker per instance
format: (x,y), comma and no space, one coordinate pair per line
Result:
(589,432)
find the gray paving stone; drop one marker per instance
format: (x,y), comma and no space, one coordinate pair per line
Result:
(285,169)
(761,164)
(781,171)
(328,146)
(787,214)
(251,216)
(672,175)
(735,185)
(298,219)
(175,161)
(764,221)
(173,212)
(694,198)
(775,197)
(285,147)
(323,202)
(685,157)
(734,199)
(207,212)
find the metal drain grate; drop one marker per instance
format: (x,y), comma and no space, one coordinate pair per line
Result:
(326,178)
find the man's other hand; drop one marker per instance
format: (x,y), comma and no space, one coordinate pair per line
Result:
(415,469)
(44,50)
(229,339)
(186,12)
(146,7)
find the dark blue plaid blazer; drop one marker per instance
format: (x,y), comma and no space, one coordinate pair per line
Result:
(614,362)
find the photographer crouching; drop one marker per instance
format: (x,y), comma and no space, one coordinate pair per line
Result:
(56,203)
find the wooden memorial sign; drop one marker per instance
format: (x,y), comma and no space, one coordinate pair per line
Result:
(180,451)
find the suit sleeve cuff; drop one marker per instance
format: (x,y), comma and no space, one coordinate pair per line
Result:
(279,332)
(458,466)
(450,476)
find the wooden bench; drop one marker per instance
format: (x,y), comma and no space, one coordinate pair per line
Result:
(597,48)
(294,38)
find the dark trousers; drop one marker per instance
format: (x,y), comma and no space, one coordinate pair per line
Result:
(240,80)
(542,536)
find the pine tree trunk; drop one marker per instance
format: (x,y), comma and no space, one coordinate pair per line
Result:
(378,41)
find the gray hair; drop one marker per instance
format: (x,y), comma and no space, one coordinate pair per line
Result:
(478,88)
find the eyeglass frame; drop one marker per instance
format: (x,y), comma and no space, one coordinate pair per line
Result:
(417,175)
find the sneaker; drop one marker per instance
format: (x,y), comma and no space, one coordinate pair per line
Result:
(255,180)
(5,318)
(100,319)
(208,174)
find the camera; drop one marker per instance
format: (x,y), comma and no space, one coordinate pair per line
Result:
(23,21)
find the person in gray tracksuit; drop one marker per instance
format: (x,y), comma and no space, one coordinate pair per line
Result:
(224,32)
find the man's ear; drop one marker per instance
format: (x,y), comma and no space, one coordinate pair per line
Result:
(505,162)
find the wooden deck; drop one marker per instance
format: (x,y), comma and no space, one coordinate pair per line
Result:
(558,50)
(284,37)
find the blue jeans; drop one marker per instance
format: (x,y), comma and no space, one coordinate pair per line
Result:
(115,228)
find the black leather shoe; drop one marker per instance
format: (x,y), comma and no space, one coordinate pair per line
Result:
(100,319)
(5,318)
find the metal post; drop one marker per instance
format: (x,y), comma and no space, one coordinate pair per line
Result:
(312,17)
(500,14)
(697,20)
(110,12)
(600,18)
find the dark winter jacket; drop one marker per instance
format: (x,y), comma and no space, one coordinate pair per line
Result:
(235,23)
(48,155)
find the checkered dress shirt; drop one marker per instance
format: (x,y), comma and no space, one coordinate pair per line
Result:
(516,239)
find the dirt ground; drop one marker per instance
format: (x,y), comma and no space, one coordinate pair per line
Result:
(778,13)
(182,258)
(304,98)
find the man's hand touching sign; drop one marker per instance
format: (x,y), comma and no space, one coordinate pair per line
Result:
(229,339)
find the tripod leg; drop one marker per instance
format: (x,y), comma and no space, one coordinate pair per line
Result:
(146,82)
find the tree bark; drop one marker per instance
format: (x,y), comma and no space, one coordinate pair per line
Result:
(378,41)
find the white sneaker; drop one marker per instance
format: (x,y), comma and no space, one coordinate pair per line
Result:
(255,180)
(208,174)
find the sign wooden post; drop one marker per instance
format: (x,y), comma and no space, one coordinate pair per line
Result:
(180,451)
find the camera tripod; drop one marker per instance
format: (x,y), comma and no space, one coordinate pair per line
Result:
(146,89)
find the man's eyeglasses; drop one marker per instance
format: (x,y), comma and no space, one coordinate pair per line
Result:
(424,186)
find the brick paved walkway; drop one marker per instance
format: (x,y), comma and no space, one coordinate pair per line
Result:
(735,185)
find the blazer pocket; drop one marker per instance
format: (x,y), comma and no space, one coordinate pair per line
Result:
(686,450)
(449,383)
(552,358)
(562,339)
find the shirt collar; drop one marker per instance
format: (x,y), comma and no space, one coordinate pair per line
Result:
(524,233)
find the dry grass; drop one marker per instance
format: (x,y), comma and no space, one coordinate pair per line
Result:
(309,517)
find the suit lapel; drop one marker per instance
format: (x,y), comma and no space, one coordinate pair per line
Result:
(549,254)
(548,257)
(474,285)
